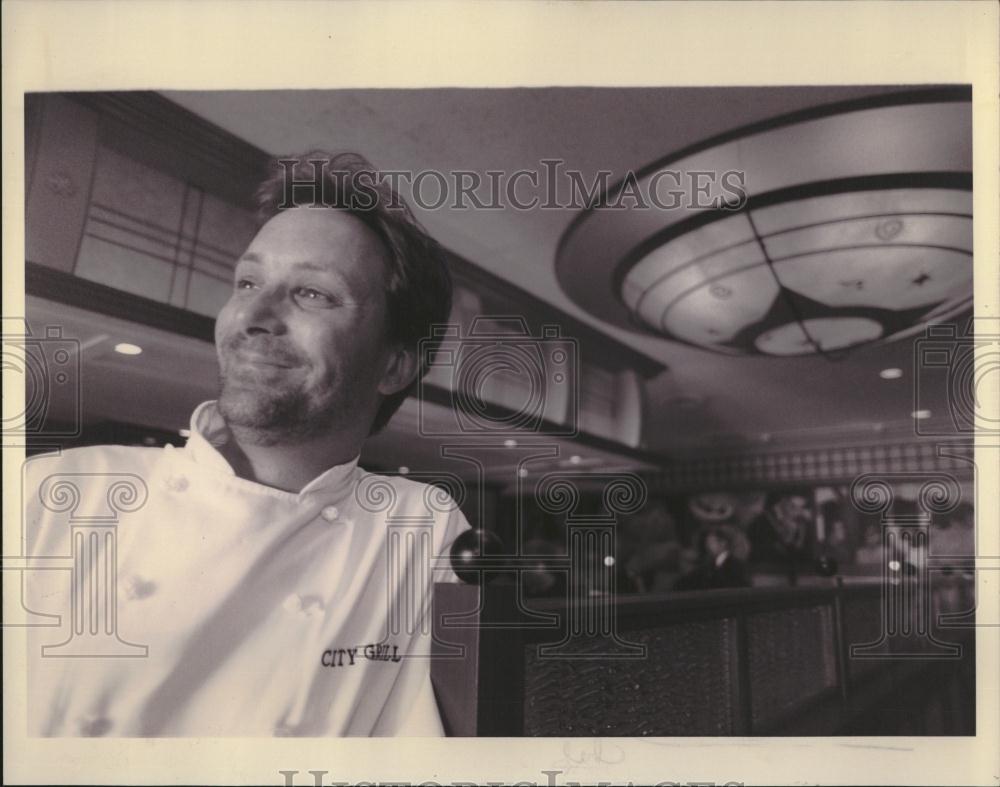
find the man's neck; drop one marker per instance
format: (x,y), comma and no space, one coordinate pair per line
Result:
(285,465)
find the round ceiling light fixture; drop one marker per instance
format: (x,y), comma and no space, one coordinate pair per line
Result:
(856,227)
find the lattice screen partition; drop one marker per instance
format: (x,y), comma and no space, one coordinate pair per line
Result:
(828,465)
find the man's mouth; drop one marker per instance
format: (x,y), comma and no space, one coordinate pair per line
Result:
(260,359)
(244,362)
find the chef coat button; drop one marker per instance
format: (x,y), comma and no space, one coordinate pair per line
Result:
(93,726)
(136,588)
(292,603)
(177,483)
(330,513)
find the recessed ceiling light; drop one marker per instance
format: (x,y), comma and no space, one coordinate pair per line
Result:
(921,414)
(126,348)
(575,459)
(523,472)
(508,443)
(404,470)
(891,374)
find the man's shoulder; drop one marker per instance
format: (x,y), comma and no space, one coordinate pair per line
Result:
(93,460)
(89,483)
(435,494)
(443,485)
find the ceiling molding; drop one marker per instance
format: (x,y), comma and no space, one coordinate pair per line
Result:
(158,132)
(45,282)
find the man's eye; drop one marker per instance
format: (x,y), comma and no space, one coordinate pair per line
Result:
(313,297)
(244,284)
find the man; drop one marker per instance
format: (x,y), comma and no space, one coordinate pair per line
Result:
(722,566)
(263,584)
(782,537)
(649,550)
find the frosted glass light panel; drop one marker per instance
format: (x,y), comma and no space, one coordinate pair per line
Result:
(151,234)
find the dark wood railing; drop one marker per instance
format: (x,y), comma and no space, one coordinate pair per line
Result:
(865,658)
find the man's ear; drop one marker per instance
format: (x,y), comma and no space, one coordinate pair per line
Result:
(400,370)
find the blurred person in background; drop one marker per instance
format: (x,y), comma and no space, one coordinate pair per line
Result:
(782,538)
(724,550)
(649,554)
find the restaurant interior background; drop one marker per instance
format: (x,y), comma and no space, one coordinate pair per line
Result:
(747,363)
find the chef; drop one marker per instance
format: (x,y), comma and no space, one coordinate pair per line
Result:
(242,584)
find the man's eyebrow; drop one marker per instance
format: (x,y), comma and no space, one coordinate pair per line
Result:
(319,267)
(308,264)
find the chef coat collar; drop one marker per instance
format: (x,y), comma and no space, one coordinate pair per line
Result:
(209,432)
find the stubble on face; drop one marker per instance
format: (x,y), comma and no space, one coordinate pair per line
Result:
(281,387)
(266,412)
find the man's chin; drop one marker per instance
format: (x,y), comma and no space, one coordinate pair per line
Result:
(257,409)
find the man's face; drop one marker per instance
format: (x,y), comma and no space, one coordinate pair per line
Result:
(792,514)
(301,341)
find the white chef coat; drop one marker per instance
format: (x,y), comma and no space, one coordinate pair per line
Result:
(264,612)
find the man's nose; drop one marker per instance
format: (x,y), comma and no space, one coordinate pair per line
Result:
(264,312)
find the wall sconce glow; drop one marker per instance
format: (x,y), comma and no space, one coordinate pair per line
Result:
(510,443)
(522,473)
(575,459)
(184,432)
(126,348)
(404,470)
(920,415)
(891,374)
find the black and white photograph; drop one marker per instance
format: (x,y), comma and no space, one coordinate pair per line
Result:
(630,417)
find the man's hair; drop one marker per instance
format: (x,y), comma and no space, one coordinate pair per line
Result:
(418,285)
(723,535)
(777,496)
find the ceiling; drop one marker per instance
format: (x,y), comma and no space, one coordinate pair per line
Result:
(704,401)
